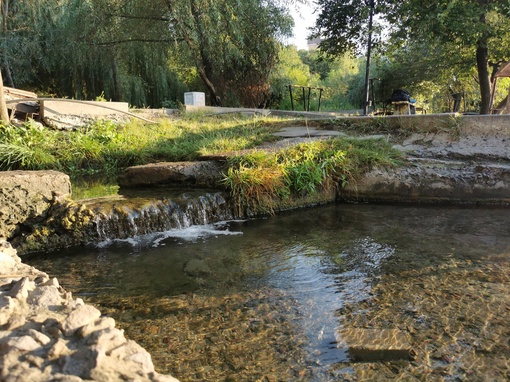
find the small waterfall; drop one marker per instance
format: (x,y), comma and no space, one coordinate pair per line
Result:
(140,216)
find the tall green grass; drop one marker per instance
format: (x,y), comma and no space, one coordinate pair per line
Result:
(259,180)
(105,148)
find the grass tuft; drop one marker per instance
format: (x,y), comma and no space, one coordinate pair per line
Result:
(259,180)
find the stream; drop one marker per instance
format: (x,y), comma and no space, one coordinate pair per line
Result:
(267,299)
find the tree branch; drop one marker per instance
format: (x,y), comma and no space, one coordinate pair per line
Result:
(126,41)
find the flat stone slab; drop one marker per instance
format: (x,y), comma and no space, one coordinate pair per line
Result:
(376,344)
(51,109)
(202,174)
(304,131)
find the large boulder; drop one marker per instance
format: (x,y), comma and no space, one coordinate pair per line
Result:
(26,196)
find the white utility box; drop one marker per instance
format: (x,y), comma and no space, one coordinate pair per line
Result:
(194,99)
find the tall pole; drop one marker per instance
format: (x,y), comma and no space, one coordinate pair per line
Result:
(4,115)
(369,48)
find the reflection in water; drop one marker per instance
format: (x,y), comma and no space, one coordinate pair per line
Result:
(265,299)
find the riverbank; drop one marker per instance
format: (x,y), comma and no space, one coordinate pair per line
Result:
(45,332)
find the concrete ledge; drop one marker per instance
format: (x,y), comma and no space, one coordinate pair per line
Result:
(456,124)
(434,181)
(52,109)
(226,110)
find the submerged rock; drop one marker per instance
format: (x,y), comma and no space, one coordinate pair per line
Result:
(376,344)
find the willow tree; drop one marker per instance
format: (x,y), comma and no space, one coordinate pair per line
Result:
(82,49)
(477,28)
(233,44)
(19,45)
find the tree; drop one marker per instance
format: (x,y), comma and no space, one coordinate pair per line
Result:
(290,71)
(476,27)
(317,63)
(123,48)
(479,26)
(342,26)
(233,44)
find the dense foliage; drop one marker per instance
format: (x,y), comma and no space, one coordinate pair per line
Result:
(262,179)
(146,53)
(106,148)
(434,38)
(150,53)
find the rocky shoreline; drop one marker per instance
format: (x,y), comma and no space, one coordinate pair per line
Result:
(47,335)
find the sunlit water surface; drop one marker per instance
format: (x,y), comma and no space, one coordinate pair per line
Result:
(265,299)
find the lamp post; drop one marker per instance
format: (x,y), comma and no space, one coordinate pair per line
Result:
(369,47)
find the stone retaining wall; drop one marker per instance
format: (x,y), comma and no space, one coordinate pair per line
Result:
(434,181)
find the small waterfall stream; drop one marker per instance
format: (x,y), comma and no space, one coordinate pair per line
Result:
(126,218)
(301,295)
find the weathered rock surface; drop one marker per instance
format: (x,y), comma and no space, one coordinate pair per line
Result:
(46,335)
(464,160)
(435,181)
(26,196)
(203,174)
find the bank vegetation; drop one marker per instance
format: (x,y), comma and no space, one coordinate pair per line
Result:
(104,149)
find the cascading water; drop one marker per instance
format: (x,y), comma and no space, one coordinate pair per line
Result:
(141,216)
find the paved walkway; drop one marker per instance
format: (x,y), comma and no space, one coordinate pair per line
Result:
(306,132)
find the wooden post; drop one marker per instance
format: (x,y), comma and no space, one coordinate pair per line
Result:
(291,99)
(4,115)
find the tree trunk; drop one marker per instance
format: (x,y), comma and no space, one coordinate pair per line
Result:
(8,73)
(116,81)
(482,64)
(215,99)
(4,115)
(204,65)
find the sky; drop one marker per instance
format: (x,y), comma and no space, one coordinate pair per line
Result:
(303,18)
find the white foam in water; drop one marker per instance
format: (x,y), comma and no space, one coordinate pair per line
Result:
(190,234)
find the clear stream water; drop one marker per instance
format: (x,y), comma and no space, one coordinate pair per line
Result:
(264,299)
